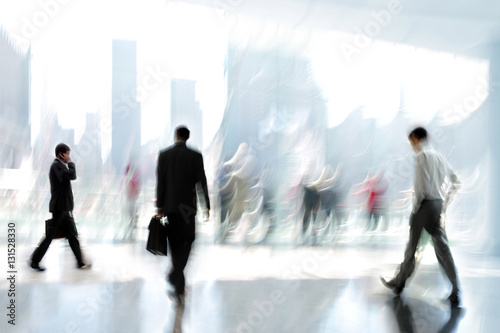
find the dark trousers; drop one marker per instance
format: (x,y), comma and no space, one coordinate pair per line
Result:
(180,235)
(428,217)
(61,221)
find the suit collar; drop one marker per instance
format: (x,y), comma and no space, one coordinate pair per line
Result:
(58,160)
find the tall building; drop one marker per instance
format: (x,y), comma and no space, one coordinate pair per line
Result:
(15,83)
(89,147)
(185,110)
(50,134)
(126,111)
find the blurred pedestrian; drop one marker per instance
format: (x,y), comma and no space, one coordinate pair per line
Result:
(62,172)
(179,170)
(430,199)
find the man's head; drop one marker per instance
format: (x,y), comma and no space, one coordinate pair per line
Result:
(62,152)
(181,133)
(417,135)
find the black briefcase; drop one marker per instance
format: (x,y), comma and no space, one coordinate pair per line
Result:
(157,239)
(49,224)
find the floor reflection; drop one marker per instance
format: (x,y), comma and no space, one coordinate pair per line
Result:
(249,290)
(409,323)
(452,325)
(175,318)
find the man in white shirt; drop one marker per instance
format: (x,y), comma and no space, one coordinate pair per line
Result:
(435,183)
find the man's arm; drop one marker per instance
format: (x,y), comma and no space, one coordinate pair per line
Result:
(62,172)
(160,184)
(455,185)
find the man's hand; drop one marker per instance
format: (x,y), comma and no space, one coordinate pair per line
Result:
(159,212)
(65,157)
(206,215)
(449,197)
(445,206)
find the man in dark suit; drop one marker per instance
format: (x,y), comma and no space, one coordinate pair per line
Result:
(62,172)
(179,170)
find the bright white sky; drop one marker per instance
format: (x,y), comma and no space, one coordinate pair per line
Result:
(432,81)
(72,58)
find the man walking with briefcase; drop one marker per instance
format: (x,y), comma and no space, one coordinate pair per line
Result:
(62,172)
(178,171)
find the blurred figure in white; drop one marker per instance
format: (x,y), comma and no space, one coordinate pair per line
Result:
(236,177)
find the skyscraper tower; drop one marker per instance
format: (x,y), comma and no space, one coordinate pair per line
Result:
(15,87)
(126,111)
(185,110)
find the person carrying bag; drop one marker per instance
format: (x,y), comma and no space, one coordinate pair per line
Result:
(157,239)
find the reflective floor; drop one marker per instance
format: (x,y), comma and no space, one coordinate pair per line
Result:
(247,289)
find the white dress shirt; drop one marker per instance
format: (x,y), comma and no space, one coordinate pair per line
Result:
(434,177)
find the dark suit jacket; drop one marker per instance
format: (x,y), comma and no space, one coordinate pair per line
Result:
(178,171)
(60,186)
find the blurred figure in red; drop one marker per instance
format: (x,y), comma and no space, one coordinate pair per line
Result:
(132,183)
(375,202)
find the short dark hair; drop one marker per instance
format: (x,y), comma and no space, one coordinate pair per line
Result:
(62,148)
(182,132)
(419,133)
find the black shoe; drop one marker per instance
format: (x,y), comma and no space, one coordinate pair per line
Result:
(84,266)
(176,297)
(37,267)
(454,300)
(392,286)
